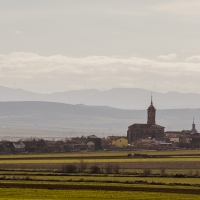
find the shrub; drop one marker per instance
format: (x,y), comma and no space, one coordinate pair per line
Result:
(197,173)
(95,169)
(69,168)
(108,168)
(179,175)
(147,172)
(190,173)
(116,168)
(162,172)
(82,166)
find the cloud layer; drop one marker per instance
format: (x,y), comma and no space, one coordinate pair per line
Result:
(169,57)
(59,73)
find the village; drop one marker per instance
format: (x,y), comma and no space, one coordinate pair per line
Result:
(149,136)
(172,141)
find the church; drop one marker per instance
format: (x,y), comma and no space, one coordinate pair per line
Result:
(149,130)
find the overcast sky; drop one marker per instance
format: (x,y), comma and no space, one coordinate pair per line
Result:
(58,45)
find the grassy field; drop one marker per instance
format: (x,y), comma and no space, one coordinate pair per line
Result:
(103,157)
(49,190)
(96,178)
(99,154)
(41,176)
(27,194)
(101,160)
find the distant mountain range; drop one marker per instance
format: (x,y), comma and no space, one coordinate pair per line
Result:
(59,120)
(123,98)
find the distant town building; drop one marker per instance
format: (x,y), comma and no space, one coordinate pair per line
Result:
(120,142)
(174,139)
(193,131)
(19,146)
(149,130)
(91,146)
(195,142)
(96,141)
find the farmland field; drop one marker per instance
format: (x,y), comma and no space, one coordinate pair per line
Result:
(101,154)
(15,193)
(158,175)
(102,160)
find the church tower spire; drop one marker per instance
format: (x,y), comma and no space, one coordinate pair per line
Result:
(193,128)
(151,113)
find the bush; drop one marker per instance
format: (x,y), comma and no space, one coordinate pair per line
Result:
(108,168)
(179,175)
(162,172)
(69,168)
(147,171)
(196,173)
(116,168)
(82,166)
(95,169)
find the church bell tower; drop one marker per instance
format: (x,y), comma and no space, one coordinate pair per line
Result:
(193,128)
(151,114)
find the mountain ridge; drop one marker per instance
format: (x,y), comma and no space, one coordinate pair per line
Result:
(124,98)
(45,119)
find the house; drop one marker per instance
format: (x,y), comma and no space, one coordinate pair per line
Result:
(174,139)
(120,142)
(146,143)
(195,142)
(96,141)
(91,146)
(19,147)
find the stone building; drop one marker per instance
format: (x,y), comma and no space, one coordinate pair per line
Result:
(150,130)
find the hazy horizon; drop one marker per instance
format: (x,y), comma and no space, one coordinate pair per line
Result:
(103,90)
(59,120)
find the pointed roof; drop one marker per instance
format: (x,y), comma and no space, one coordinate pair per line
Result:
(193,128)
(151,107)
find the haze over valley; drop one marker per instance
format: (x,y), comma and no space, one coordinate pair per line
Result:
(58,120)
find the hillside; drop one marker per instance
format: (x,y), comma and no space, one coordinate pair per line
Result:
(59,120)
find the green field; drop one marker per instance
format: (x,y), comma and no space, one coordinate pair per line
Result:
(103,157)
(100,160)
(171,175)
(100,154)
(98,178)
(27,194)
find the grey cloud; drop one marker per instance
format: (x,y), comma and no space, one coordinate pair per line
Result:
(58,73)
(193,59)
(168,57)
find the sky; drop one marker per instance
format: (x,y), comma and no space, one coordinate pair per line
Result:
(52,46)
